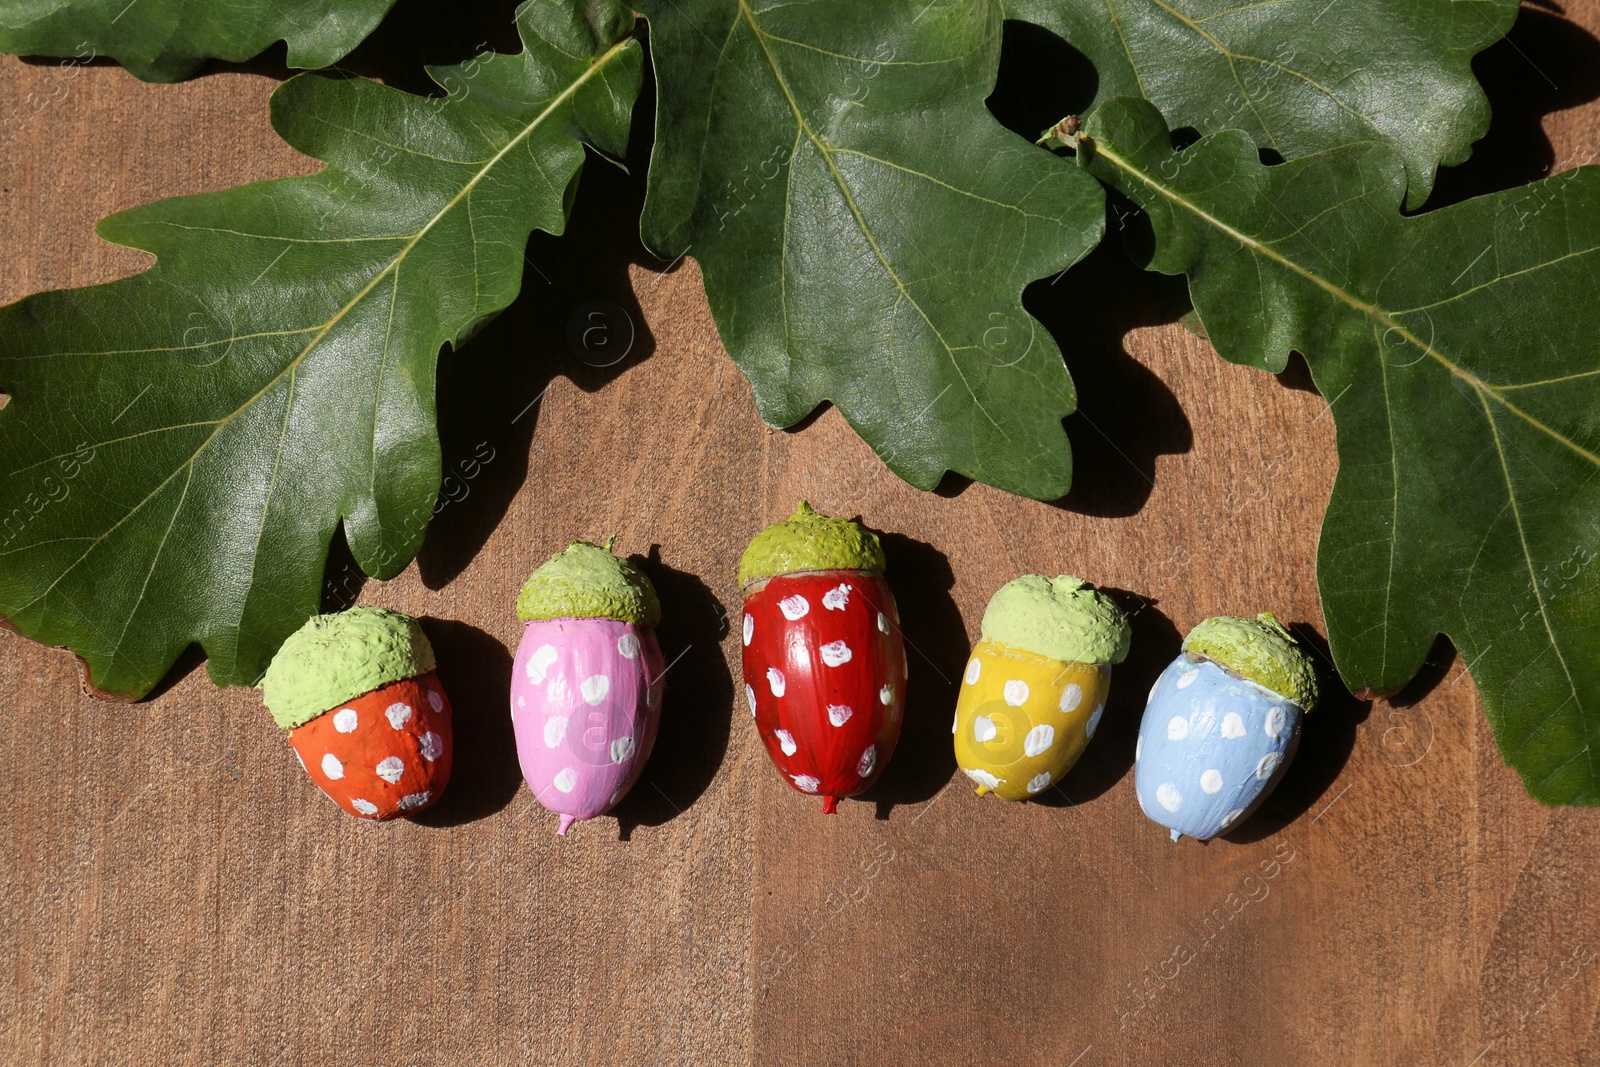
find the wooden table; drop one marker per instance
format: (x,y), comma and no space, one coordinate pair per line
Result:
(174,890)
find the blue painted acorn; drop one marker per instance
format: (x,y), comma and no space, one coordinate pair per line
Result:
(1222,724)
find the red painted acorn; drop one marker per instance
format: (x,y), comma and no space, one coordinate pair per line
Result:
(824,664)
(359,696)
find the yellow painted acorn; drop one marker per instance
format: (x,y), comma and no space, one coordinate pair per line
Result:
(1036,685)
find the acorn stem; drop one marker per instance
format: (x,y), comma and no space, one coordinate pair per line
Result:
(830,804)
(566,821)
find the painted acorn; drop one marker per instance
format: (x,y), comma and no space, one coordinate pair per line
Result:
(1035,688)
(824,664)
(586,684)
(359,695)
(1222,724)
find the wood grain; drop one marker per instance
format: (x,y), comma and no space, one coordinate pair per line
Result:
(174,891)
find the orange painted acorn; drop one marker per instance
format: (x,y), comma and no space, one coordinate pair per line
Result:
(365,712)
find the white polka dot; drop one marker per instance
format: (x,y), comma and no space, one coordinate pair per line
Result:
(750,695)
(749,629)
(836,598)
(1094,721)
(414,800)
(555,729)
(594,688)
(983,778)
(566,779)
(794,607)
(886,695)
(835,653)
(1039,739)
(1016,693)
(1232,725)
(1177,728)
(1138,748)
(432,746)
(776,680)
(1071,697)
(391,769)
(1228,819)
(436,700)
(332,767)
(540,662)
(1275,720)
(883,622)
(1186,679)
(1211,781)
(345,720)
(868,760)
(365,807)
(973,670)
(628,646)
(1038,782)
(1168,796)
(839,714)
(1268,764)
(807,783)
(785,741)
(622,750)
(983,729)
(398,714)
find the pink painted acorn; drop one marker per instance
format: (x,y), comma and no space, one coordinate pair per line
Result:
(586,685)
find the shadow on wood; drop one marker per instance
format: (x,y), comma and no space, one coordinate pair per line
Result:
(1327,737)
(1544,65)
(936,647)
(697,709)
(475,670)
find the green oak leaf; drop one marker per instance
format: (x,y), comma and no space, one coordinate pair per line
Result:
(1459,352)
(1300,76)
(180,446)
(167,40)
(865,227)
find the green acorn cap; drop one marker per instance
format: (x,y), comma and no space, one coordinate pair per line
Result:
(1064,618)
(1261,650)
(810,541)
(333,659)
(585,581)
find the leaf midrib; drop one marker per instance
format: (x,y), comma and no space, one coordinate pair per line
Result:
(596,65)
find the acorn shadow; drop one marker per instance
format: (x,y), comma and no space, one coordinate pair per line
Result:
(697,708)
(936,648)
(475,670)
(1108,757)
(1327,737)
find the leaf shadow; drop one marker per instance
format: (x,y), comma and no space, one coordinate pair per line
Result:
(936,645)
(475,670)
(1126,415)
(697,708)
(1546,64)
(1108,758)
(1327,737)
(489,391)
